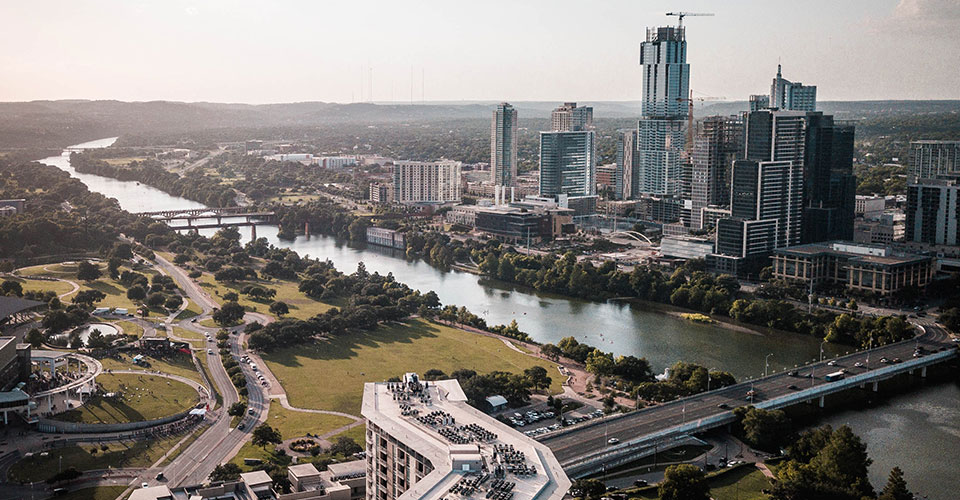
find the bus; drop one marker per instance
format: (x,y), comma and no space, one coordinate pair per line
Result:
(831,377)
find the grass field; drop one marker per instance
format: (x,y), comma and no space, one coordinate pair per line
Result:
(124,454)
(743,483)
(329,375)
(358,434)
(291,424)
(191,311)
(57,287)
(130,328)
(178,364)
(95,493)
(301,306)
(146,397)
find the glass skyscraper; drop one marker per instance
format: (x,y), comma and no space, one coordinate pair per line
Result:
(503,145)
(568,163)
(661,132)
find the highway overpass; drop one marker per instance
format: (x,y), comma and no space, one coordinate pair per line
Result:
(583,450)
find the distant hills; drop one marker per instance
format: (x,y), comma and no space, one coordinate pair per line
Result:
(60,123)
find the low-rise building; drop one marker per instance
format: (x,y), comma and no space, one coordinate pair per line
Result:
(869,207)
(686,247)
(334,161)
(889,227)
(463,214)
(305,158)
(381,192)
(424,440)
(861,267)
(386,237)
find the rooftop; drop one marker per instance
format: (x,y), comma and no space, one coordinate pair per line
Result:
(12,305)
(862,252)
(434,419)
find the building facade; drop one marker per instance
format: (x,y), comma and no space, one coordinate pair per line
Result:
(829,191)
(426,182)
(862,268)
(503,145)
(662,128)
(933,211)
(381,192)
(627,158)
(386,237)
(930,159)
(570,118)
(568,163)
(792,96)
(718,143)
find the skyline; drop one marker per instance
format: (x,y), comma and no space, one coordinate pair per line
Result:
(254,53)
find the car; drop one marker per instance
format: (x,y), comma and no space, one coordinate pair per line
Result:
(792,373)
(831,363)
(613,441)
(250,411)
(917,354)
(240,427)
(792,387)
(640,483)
(209,351)
(955,340)
(159,476)
(144,485)
(884,360)
(723,406)
(263,382)
(858,364)
(897,360)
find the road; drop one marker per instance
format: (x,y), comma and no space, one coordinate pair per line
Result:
(593,437)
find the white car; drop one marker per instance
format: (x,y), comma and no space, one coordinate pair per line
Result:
(209,351)
(613,441)
(831,363)
(144,485)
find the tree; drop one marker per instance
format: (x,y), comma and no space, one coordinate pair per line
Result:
(765,429)
(225,472)
(231,297)
(237,409)
(34,338)
(156,299)
(136,292)
(434,374)
(345,446)
(11,288)
(87,271)
(264,435)
(684,482)
(56,320)
(279,308)
(896,488)
(96,340)
(113,267)
(230,313)
(88,297)
(550,351)
(173,302)
(589,488)
(537,375)
(122,251)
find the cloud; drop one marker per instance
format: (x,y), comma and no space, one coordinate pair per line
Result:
(923,19)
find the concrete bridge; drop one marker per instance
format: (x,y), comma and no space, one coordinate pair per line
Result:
(584,450)
(191,215)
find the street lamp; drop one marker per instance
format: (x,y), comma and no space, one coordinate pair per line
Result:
(708,378)
(766,364)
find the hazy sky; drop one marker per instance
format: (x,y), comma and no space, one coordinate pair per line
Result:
(285,50)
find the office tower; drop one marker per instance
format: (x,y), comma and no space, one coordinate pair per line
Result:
(933,211)
(426,182)
(503,145)
(829,192)
(568,118)
(627,159)
(662,128)
(718,143)
(792,96)
(568,163)
(929,159)
(773,135)
(759,101)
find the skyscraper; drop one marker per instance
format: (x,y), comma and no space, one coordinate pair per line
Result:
(759,101)
(792,96)
(627,160)
(933,211)
(929,159)
(503,145)
(718,143)
(661,131)
(569,118)
(829,186)
(568,163)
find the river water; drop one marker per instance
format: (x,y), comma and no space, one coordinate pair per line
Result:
(919,432)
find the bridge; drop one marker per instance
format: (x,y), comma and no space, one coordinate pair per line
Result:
(250,217)
(584,450)
(632,235)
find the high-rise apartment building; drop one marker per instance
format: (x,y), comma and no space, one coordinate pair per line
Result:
(426,182)
(718,143)
(627,160)
(569,118)
(661,131)
(933,211)
(929,159)
(503,145)
(423,439)
(792,96)
(829,192)
(568,163)
(759,101)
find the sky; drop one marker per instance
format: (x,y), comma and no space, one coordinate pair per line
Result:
(453,50)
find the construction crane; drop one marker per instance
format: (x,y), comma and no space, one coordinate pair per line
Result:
(681,15)
(690,100)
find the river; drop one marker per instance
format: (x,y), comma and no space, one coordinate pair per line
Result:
(919,432)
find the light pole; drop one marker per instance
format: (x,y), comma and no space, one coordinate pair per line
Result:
(708,378)
(766,364)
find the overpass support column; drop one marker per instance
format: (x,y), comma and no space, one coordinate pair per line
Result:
(876,385)
(253,232)
(821,401)
(923,372)
(50,402)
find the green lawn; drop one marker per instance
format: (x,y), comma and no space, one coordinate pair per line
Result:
(329,375)
(358,434)
(57,287)
(95,493)
(742,483)
(301,306)
(291,424)
(176,364)
(145,397)
(124,454)
(191,311)
(131,328)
